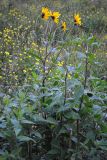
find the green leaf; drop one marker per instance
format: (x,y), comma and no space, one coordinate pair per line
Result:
(53,152)
(25,139)
(79,91)
(63,109)
(91,40)
(104,127)
(51,120)
(72,115)
(91,135)
(62,130)
(35,76)
(1,135)
(38,135)
(102,144)
(6,100)
(22,96)
(74,139)
(41,120)
(27,122)
(2,158)
(17,126)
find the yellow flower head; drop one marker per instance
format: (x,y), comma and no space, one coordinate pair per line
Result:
(64,26)
(69,76)
(46,13)
(55,16)
(60,64)
(77,19)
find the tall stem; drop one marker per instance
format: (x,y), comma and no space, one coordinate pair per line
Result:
(44,76)
(85,77)
(29,147)
(82,98)
(65,94)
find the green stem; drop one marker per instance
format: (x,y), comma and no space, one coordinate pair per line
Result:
(82,98)
(65,94)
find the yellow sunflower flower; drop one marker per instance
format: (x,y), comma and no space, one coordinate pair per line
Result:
(55,16)
(77,19)
(46,13)
(64,26)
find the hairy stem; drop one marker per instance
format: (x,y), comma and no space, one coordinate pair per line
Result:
(82,98)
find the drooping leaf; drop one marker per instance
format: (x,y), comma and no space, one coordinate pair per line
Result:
(25,139)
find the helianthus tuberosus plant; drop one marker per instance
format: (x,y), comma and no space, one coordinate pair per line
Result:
(59,113)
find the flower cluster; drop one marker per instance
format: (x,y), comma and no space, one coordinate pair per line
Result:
(47,13)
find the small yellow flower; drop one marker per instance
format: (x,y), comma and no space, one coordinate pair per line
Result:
(46,13)
(37,63)
(24,71)
(16,77)
(60,64)
(34,45)
(10,60)
(0,33)
(77,19)
(64,26)
(29,56)
(55,16)
(69,76)
(7,53)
